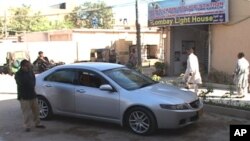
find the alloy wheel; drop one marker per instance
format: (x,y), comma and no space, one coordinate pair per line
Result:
(139,122)
(44,109)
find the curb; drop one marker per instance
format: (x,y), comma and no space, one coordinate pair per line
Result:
(219,86)
(227,111)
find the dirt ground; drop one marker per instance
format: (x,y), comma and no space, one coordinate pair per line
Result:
(211,127)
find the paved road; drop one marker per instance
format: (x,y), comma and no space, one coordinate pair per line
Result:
(211,127)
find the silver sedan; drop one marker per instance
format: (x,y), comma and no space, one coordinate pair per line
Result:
(114,93)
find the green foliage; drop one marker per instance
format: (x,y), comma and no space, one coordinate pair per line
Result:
(156,78)
(1,22)
(159,65)
(229,104)
(203,94)
(1,27)
(22,19)
(61,25)
(220,77)
(82,16)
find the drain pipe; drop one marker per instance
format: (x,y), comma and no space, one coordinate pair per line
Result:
(209,48)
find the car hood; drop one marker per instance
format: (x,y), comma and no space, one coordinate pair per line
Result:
(168,93)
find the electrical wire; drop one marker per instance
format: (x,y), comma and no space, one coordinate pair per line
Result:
(83,10)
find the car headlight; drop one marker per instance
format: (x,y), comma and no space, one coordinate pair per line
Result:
(175,107)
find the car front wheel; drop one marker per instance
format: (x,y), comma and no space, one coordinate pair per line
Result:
(141,121)
(44,108)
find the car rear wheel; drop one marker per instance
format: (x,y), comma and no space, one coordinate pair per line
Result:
(44,108)
(141,121)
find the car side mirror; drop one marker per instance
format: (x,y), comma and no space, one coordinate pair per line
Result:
(106,87)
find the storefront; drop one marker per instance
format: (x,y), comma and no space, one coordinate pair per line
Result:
(187,23)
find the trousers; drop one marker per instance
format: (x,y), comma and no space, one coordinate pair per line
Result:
(30,111)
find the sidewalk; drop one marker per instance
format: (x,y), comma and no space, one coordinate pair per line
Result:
(221,95)
(7,84)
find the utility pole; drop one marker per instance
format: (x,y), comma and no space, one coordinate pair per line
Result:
(138,35)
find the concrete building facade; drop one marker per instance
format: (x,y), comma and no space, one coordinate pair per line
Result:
(216,45)
(229,39)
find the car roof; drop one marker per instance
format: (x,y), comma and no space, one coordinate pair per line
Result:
(101,66)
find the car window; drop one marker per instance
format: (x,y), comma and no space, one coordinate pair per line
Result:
(91,79)
(62,76)
(129,79)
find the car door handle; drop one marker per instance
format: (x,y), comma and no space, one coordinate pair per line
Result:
(80,91)
(48,85)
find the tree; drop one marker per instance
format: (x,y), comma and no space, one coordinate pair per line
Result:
(92,15)
(22,19)
(61,25)
(1,28)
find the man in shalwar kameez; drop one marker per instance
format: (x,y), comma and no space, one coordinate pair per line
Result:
(192,74)
(241,75)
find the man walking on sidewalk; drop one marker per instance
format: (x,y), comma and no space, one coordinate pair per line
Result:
(241,75)
(192,75)
(26,80)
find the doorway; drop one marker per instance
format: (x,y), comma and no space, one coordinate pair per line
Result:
(184,37)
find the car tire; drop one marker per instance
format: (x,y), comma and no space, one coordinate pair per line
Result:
(45,110)
(141,121)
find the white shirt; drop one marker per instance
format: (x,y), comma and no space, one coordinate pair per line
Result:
(242,72)
(193,68)
(242,66)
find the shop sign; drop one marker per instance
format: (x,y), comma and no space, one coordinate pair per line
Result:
(187,12)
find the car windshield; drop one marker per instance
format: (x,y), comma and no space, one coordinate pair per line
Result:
(129,79)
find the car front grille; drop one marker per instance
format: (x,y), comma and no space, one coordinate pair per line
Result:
(195,104)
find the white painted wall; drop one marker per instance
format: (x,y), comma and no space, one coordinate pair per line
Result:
(57,51)
(80,46)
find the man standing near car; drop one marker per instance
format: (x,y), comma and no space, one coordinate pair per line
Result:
(25,80)
(132,62)
(41,62)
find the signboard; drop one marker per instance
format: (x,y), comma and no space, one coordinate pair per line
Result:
(187,12)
